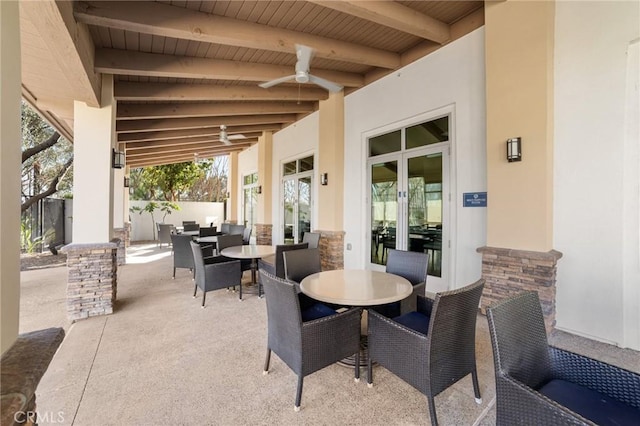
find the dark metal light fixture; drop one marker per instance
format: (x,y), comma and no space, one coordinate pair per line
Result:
(117,159)
(514,149)
(126,181)
(259,189)
(324,179)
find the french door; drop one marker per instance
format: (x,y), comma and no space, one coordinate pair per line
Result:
(296,208)
(408,203)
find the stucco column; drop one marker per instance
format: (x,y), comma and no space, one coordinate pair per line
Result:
(264,225)
(93,177)
(233,204)
(10,165)
(331,196)
(92,257)
(519,43)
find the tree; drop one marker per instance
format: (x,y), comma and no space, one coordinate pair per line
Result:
(170,180)
(213,185)
(201,181)
(46,159)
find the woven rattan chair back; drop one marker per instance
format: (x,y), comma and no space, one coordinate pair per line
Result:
(299,264)
(519,339)
(311,238)
(408,264)
(182,256)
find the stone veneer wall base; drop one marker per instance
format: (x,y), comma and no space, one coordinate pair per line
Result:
(331,249)
(264,234)
(507,272)
(92,279)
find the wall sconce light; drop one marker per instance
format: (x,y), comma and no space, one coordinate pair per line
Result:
(259,189)
(324,179)
(514,149)
(228,195)
(117,159)
(126,181)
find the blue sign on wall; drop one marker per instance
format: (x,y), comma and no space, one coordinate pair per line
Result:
(474,199)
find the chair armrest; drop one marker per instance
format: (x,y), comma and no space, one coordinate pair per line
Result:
(517,403)
(409,304)
(616,382)
(222,274)
(424,305)
(333,338)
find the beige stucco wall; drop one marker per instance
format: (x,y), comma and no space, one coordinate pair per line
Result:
(10,164)
(519,39)
(331,161)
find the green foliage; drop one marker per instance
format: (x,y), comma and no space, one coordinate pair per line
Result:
(202,181)
(172,179)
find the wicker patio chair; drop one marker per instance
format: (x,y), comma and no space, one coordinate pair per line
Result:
(232,240)
(412,266)
(275,264)
(540,384)
(164,233)
(309,340)
(217,274)
(431,348)
(246,236)
(190,227)
(224,228)
(182,255)
(312,238)
(299,264)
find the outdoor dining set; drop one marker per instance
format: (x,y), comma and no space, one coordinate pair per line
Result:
(365,318)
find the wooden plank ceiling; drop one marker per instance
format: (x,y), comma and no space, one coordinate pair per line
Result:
(184,68)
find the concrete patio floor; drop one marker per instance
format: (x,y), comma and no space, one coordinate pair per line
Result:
(162,360)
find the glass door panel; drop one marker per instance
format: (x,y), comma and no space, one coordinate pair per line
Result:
(424,209)
(304,206)
(289,205)
(384,209)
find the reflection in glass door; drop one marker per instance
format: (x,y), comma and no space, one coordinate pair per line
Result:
(384,209)
(423,232)
(408,172)
(297,199)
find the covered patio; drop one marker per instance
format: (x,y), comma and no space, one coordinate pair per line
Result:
(447,83)
(163,360)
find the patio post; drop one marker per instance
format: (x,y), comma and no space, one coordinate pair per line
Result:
(92,256)
(520,103)
(10,164)
(264,225)
(330,221)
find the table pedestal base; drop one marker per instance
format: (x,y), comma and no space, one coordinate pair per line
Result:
(350,361)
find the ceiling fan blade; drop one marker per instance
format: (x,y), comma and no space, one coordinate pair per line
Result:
(325,84)
(271,83)
(304,54)
(236,137)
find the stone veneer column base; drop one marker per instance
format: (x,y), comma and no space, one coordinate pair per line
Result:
(92,280)
(264,234)
(122,235)
(508,272)
(331,249)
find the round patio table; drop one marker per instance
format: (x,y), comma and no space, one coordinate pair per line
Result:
(253,252)
(356,287)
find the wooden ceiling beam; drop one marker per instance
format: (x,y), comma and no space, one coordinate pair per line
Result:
(177,22)
(71,43)
(150,111)
(181,157)
(393,15)
(188,148)
(136,126)
(136,146)
(129,91)
(115,61)
(178,159)
(208,131)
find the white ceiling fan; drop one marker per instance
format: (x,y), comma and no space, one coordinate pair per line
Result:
(304,54)
(225,138)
